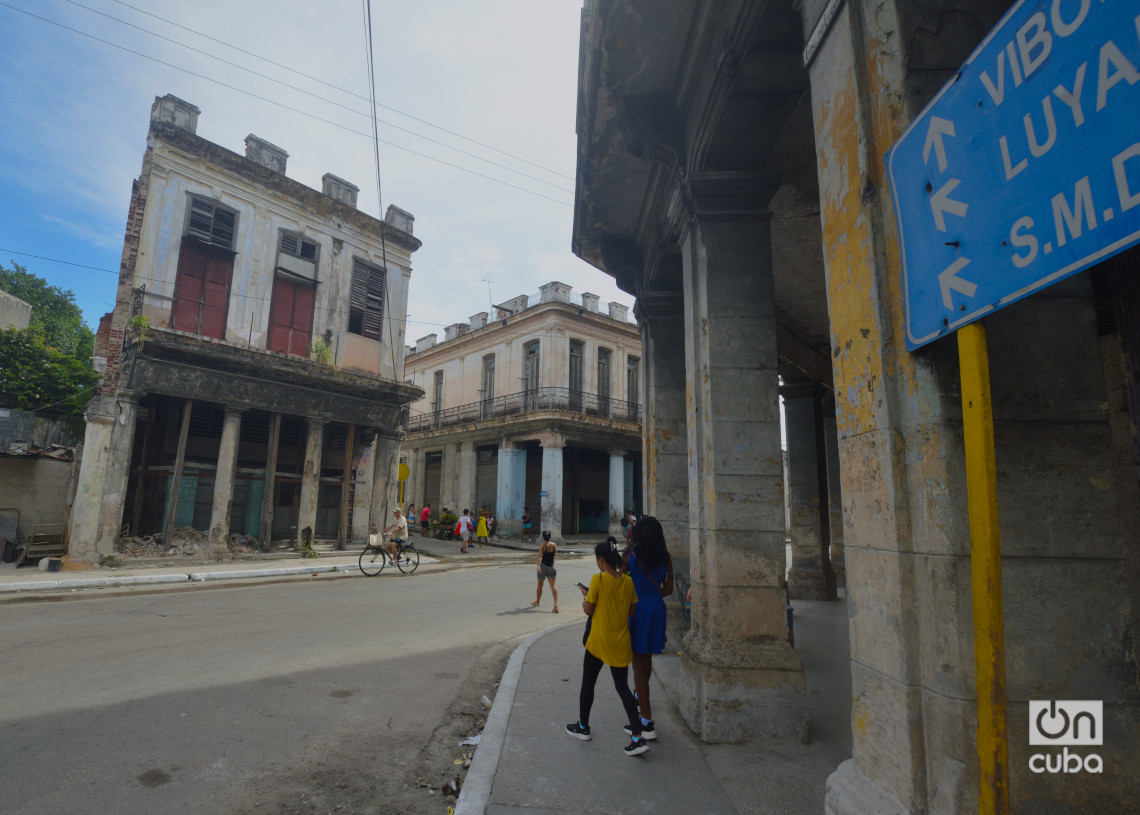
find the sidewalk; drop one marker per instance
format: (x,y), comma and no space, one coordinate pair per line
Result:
(435,553)
(526,763)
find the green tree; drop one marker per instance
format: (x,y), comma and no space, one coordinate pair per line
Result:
(35,376)
(53,309)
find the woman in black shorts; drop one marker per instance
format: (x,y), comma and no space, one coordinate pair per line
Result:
(546,570)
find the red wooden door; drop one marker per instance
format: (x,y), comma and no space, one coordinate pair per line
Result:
(291,317)
(202,291)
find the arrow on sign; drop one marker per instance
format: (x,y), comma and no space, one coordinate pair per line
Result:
(942,203)
(939,127)
(948,279)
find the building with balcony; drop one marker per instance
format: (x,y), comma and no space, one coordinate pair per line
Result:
(538,405)
(251,361)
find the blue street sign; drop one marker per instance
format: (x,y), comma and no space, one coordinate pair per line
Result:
(1025,168)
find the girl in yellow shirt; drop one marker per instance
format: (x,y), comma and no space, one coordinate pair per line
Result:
(609,602)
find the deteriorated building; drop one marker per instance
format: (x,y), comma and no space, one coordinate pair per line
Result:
(731,177)
(250,364)
(538,406)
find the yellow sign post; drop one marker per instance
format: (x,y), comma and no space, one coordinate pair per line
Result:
(985,571)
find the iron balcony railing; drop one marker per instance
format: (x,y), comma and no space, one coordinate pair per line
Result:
(532,401)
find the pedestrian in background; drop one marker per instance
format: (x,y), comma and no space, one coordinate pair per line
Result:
(647,561)
(546,570)
(411,515)
(481,533)
(464,530)
(425,513)
(526,536)
(610,600)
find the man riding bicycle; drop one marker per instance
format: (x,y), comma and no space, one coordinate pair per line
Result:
(399,531)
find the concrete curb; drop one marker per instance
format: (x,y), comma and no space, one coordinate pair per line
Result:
(476,790)
(151,579)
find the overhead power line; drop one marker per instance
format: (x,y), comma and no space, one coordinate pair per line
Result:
(318,97)
(282,105)
(342,90)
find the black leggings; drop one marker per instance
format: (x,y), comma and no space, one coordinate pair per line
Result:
(591,667)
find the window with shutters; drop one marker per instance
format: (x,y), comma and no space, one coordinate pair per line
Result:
(211,222)
(205,269)
(297,246)
(366,300)
(575,379)
(633,381)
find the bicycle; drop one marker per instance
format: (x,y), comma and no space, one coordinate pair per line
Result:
(374,557)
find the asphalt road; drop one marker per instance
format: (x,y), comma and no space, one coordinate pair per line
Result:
(259,698)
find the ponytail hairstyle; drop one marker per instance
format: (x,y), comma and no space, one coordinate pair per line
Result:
(608,552)
(649,543)
(546,535)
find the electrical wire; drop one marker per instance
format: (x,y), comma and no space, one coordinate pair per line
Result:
(318,97)
(282,105)
(342,90)
(379,195)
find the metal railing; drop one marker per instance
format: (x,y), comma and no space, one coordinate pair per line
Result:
(532,401)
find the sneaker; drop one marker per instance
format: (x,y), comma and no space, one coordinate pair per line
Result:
(637,747)
(647,732)
(576,730)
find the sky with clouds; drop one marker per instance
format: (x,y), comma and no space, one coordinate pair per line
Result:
(492,198)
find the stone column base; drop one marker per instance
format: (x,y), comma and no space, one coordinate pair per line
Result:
(738,692)
(849,792)
(806,584)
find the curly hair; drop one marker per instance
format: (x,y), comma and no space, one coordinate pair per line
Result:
(649,543)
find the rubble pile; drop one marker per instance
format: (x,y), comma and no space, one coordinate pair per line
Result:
(186,542)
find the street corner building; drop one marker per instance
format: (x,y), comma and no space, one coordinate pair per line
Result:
(252,366)
(732,177)
(538,406)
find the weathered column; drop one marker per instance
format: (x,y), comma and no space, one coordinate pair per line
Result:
(362,495)
(551,511)
(465,478)
(834,489)
(741,680)
(617,491)
(665,472)
(510,495)
(810,577)
(224,482)
(416,462)
(447,495)
(267,495)
(384,479)
(97,511)
(310,482)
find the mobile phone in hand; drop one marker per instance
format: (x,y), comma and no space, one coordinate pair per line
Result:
(583,588)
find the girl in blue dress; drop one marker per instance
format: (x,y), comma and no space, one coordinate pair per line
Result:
(647,561)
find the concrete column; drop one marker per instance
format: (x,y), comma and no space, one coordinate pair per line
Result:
(384,480)
(810,577)
(740,678)
(416,462)
(551,511)
(510,496)
(617,491)
(465,478)
(834,489)
(310,481)
(447,494)
(224,483)
(97,510)
(364,479)
(665,472)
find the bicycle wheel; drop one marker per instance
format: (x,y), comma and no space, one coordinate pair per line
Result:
(409,559)
(372,560)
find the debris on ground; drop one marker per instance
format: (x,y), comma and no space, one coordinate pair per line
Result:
(186,542)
